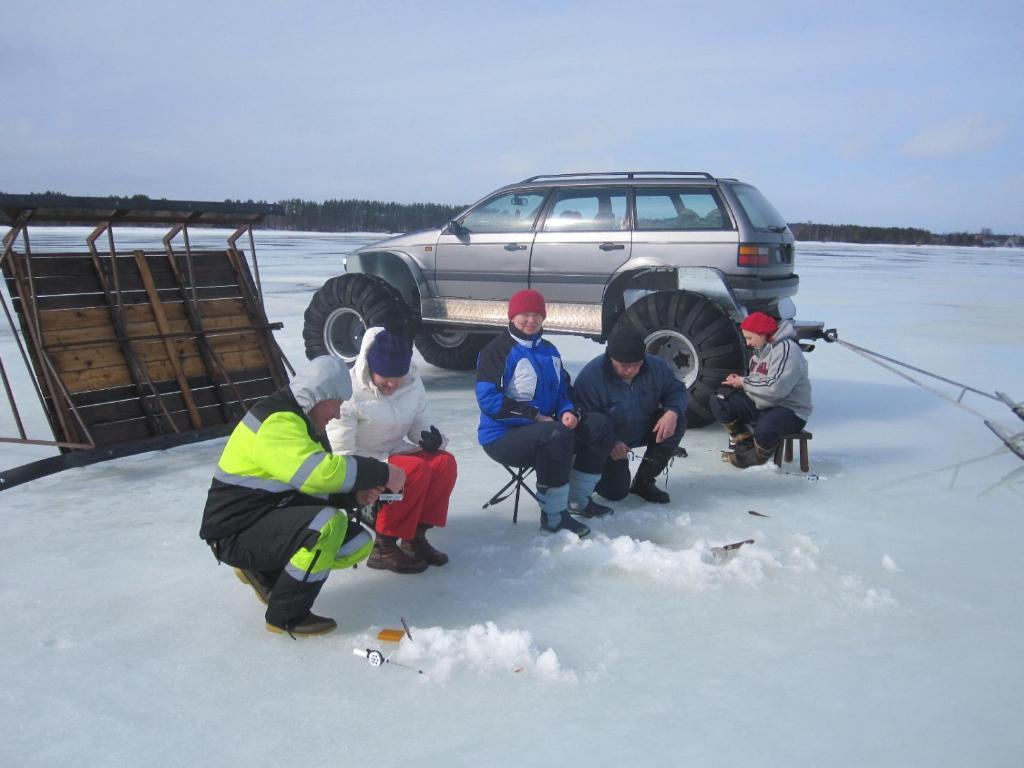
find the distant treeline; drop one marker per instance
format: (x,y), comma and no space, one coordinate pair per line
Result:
(361,216)
(853,233)
(378,216)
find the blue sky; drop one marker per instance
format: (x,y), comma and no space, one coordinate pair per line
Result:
(906,114)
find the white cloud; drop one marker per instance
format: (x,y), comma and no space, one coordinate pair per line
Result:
(961,136)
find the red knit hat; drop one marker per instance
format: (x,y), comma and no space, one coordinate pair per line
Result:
(526,301)
(759,322)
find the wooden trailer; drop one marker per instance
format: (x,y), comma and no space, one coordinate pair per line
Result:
(133,350)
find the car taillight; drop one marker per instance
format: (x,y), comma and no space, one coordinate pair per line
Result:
(753,256)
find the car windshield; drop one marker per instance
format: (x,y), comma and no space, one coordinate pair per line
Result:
(760,212)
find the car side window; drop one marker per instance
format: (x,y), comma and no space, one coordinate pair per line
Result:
(664,209)
(587,210)
(511,212)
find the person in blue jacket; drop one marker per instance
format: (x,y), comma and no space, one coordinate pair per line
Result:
(527,418)
(647,406)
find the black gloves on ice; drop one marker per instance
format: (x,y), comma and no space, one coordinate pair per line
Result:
(431,441)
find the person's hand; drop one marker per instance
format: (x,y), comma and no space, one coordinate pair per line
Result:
(396,478)
(734,380)
(570,419)
(542,417)
(666,426)
(368,496)
(619,451)
(431,441)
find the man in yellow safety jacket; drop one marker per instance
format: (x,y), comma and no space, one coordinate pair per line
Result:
(275,509)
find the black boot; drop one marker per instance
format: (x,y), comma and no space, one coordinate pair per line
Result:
(751,455)
(566,522)
(645,486)
(307,626)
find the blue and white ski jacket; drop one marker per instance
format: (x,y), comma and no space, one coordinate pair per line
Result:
(517,379)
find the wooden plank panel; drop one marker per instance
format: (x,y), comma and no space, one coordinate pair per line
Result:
(119,432)
(69,264)
(117,376)
(255,382)
(204,397)
(85,300)
(129,280)
(137,429)
(106,333)
(147,352)
(56,319)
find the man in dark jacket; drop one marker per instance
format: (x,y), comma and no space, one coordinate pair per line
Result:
(647,405)
(275,506)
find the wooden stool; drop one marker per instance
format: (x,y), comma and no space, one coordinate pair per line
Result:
(786,444)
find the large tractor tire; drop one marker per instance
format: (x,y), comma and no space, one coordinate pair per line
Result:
(451,348)
(344,307)
(698,340)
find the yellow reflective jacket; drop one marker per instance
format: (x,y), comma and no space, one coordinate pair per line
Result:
(275,458)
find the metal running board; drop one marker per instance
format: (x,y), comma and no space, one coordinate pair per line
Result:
(561,317)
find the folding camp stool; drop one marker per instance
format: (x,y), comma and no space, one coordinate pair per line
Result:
(513,486)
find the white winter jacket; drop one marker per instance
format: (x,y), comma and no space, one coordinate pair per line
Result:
(378,425)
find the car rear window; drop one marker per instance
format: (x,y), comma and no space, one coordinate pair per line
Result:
(675,208)
(761,213)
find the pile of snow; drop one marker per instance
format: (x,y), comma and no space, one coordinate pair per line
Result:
(481,649)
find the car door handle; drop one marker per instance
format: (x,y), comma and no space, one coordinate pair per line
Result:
(611,246)
(515,247)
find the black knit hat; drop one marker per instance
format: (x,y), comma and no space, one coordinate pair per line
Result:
(626,345)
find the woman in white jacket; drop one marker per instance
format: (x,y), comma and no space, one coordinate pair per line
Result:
(387,418)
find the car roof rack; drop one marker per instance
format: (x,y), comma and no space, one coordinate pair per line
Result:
(625,174)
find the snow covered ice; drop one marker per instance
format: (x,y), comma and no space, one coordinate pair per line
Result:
(876,620)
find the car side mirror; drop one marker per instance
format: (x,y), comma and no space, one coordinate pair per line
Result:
(455,228)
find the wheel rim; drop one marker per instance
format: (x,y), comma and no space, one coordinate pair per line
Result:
(678,351)
(449,339)
(343,333)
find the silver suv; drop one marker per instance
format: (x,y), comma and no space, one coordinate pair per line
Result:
(681,256)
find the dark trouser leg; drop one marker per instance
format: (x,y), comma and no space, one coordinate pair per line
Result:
(268,547)
(772,423)
(733,406)
(594,440)
(656,458)
(768,428)
(546,445)
(614,482)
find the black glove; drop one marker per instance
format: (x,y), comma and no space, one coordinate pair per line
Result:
(431,441)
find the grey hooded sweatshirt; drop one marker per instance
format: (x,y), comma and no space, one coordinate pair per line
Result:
(778,374)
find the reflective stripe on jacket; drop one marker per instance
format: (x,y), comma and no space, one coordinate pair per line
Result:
(274,458)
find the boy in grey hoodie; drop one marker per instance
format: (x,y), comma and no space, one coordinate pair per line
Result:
(772,400)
